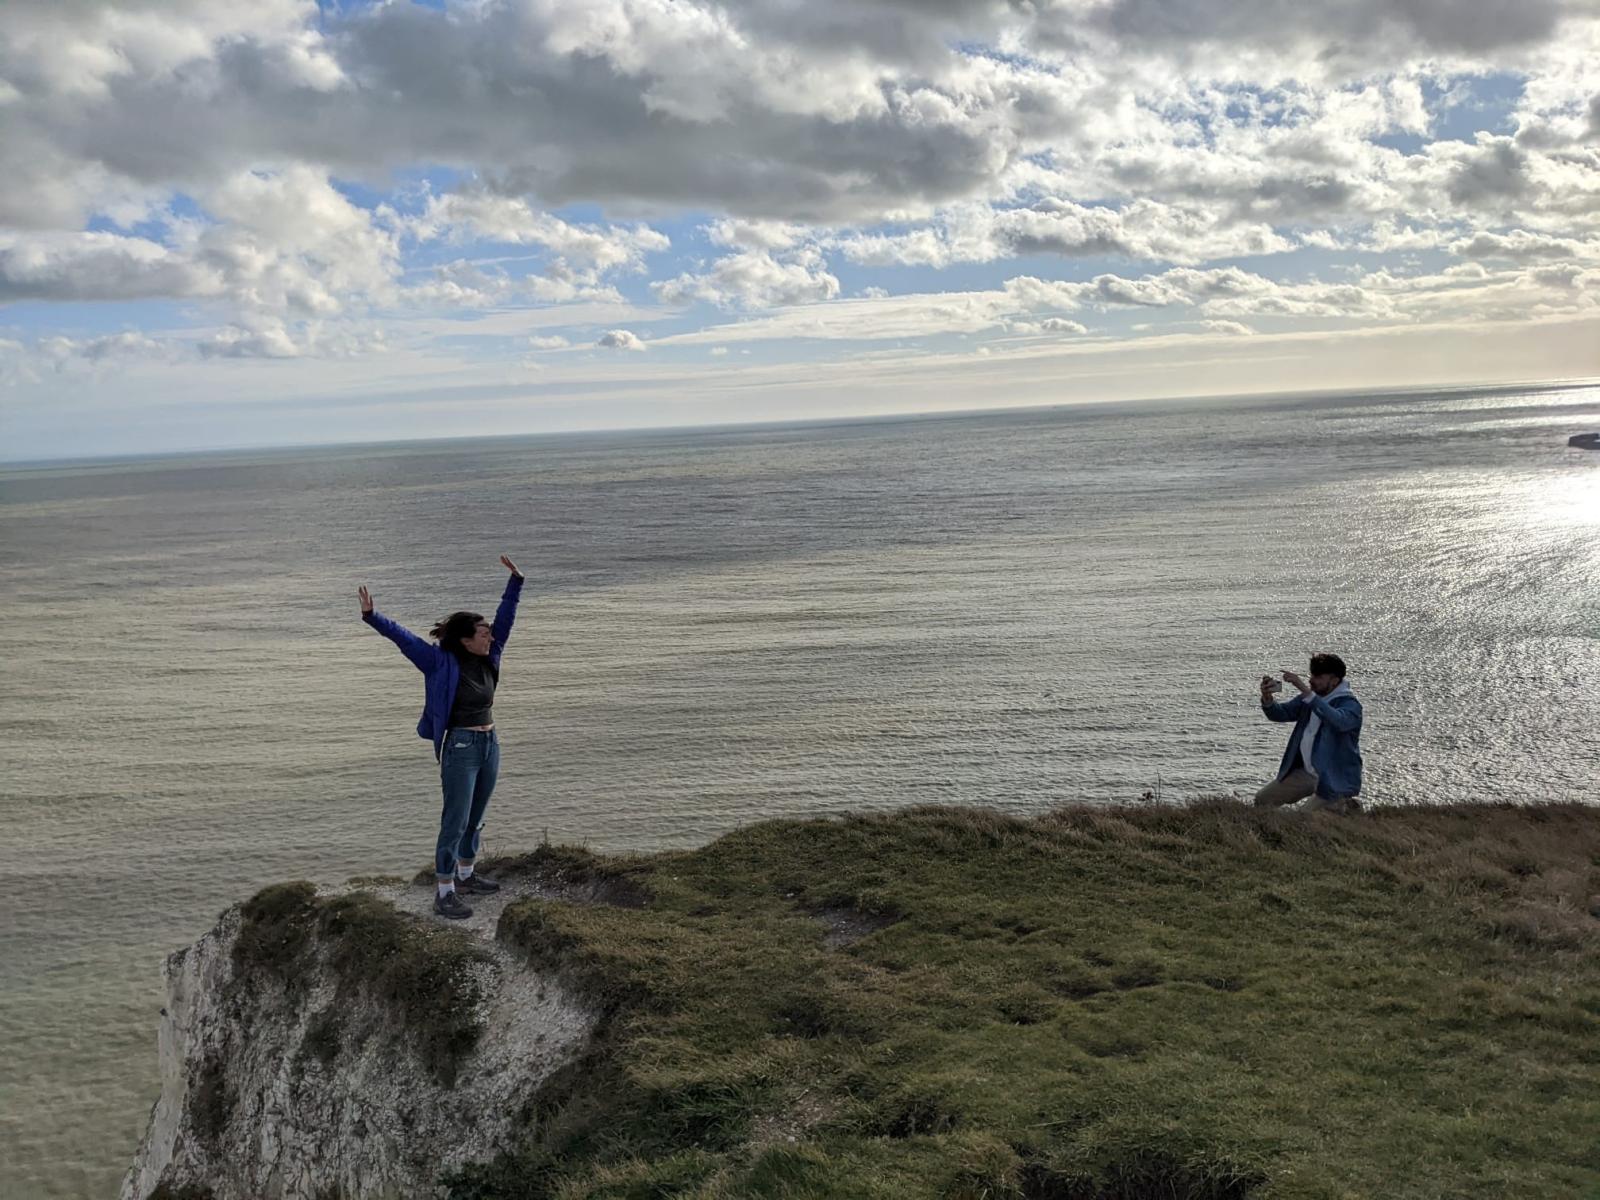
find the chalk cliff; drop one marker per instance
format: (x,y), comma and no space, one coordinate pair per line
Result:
(339,1045)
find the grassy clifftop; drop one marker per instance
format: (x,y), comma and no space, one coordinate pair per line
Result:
(1200,1002)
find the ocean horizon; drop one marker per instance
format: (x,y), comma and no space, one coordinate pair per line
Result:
(1149,403)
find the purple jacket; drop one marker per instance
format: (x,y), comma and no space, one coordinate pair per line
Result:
(439,669)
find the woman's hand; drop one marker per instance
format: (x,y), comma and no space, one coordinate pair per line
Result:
(510,566)
(366,599)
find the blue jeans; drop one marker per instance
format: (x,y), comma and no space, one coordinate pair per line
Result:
(468,767)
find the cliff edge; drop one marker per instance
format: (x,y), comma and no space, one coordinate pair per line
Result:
(311,1047)
(1212,1002)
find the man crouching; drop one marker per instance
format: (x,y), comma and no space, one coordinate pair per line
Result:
(1323,759)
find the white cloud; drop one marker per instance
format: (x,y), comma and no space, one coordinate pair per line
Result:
(66,353)
(1519,245)
(276,243)
(269,338)
(756,235)
(460,284)
(268,341)
(763,111)
(479,214)
(620,339)
(289,242)
(127,344)
(1338,31)
(755,279)
(552,342)
(1231,328)
(1143,229)
(1223,299)
(97,266)
(1061,325)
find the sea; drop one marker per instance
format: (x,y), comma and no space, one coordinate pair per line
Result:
(1016,609)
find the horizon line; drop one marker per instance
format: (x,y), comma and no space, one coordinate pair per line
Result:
(26,464)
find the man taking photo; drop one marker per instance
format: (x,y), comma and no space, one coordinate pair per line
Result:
(1323,759)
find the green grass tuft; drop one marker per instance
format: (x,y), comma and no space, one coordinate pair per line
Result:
(424,974)
(276,933)
(425,977)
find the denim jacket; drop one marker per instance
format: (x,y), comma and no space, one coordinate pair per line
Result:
(1336,754)
(440,672)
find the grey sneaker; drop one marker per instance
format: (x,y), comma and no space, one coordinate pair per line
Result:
(449,905)
(476,885)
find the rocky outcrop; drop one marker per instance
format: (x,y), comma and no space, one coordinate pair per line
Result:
(338,1045)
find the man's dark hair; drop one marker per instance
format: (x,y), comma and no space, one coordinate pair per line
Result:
(451,631)
(1327,664)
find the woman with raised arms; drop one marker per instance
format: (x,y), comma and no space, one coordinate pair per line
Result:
(460,674)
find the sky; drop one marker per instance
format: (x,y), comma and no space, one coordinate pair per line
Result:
(229,223)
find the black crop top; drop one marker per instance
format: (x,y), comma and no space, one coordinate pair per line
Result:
(474,693)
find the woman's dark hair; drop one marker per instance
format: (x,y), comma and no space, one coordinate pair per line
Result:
(450,632)
(1327,664)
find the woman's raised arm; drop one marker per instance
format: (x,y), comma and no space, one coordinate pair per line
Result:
(507,612)
(422,654)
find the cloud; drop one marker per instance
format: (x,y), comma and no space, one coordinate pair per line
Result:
(276,242)
(756,235)
(479,214)
(553,342)
(747,110)
(763,113)
(1142,230)
(288,241)
(461,284)
(127,344)
(841,113)
(1519,245)
(755,279)
(1470,26)
(269,339)
(97,266)
(64,353)
(619,339)
(1494,172)
(1056,325)
(1221,299)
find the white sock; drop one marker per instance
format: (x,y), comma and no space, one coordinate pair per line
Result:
(463,870)
(448,885)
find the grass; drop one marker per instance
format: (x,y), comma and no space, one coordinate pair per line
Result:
(422,976)
(1210,1002)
